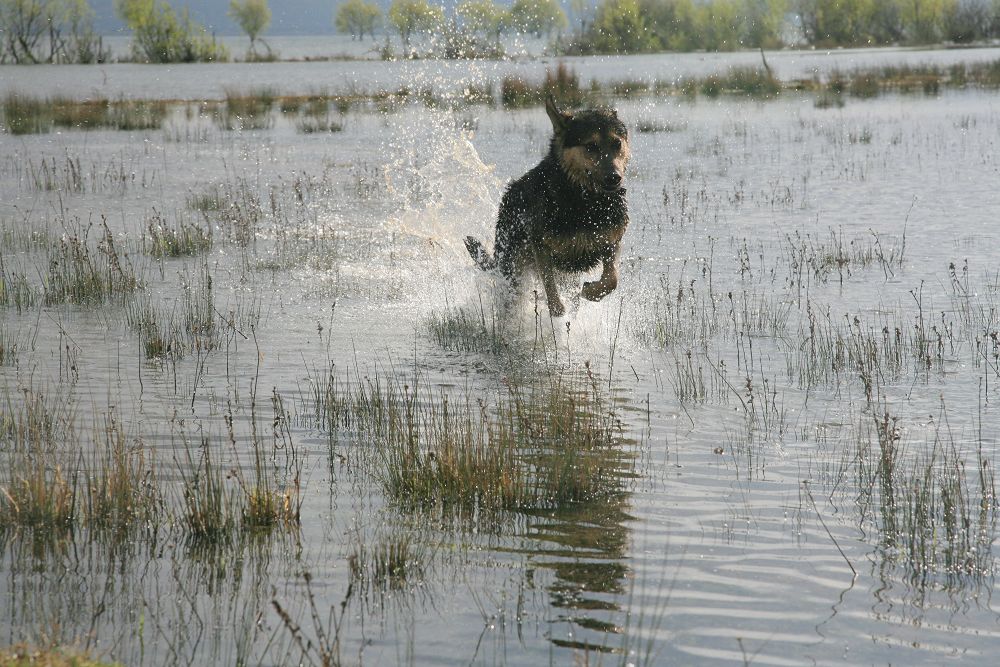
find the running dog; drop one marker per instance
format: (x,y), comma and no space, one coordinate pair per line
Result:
(568,214)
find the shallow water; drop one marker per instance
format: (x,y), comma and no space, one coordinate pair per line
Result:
(758,231)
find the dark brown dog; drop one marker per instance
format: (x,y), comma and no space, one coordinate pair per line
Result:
(568,213)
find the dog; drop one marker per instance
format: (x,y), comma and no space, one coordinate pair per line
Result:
(567,214)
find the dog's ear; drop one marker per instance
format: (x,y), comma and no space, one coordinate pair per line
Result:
(559,118)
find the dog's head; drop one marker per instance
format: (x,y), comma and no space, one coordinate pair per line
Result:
(591,146)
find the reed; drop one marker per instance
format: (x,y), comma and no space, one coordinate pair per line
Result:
(78,273)
(24,114)
(546,444)
(183,239)
(209,509)
(247,110)
(23,655)
(121,491)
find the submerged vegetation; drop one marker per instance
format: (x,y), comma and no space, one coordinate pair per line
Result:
(259,109)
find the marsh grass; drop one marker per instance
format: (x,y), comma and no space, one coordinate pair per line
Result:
(158,340)
(209,506)
(466,329)
(318,125)
(15,289)
(24,236)
(562,82)
(23,114)
(649,126)
(209,201)
(34,115)
(9,347)
(198,312)
(79,273)
(271,497)
(121,490)
(35,492)
(386,563)
(183,239)
(70,175)
(247,110)
(237,207)
(935,515)
(549,443)
(35,495)
(753,82)
(23,655)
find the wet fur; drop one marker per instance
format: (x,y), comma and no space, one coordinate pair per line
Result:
(564,215)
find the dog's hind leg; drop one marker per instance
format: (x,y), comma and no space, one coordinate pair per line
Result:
(480,256)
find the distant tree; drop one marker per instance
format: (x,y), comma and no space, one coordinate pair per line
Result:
(924,20)
(50,31)
(969,20)
(581,10)
(762,21)
(720,24)
(837,23)
(411,17)
(483,16)
(253,16)
(159,35)
(357,17)
(673,23)
(620,27)
(887,23)
(538,17)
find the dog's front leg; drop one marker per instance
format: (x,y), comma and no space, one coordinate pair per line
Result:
(606,284)
(556,307)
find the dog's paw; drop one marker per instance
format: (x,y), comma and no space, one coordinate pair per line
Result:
(594,291)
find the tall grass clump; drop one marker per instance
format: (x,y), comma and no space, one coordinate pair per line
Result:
(935,515)
(183,239)
(26,115)
(36,494)
(247,110)
(236,206)
(544,444)
(158,341)
(471,330)
(121,490)
(562,83)
(78,273)
(36,115)
(388,563)
(15,290)
(8,347)
(208,508)
(268,500)
(35,490)
(23,655)
(750,81)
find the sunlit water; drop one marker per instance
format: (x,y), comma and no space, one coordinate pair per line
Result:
(729,546)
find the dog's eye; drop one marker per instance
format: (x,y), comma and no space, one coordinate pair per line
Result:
(616,144)
(593,148)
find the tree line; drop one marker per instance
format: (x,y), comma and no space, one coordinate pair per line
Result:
(62,31)
(642,26)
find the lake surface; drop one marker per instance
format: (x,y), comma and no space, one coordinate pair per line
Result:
(801,358)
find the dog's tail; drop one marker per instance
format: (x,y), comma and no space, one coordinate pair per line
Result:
(483,259)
